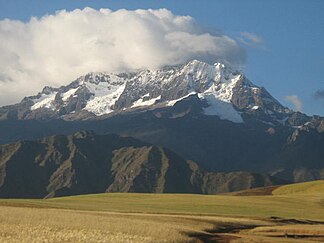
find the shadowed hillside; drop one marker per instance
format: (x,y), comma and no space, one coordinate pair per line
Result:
(87,163)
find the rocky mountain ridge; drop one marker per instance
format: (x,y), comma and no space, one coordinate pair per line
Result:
(222,90)
(88,163)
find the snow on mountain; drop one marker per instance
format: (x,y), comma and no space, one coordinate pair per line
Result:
(217,107)
(45,101)
(173,102)
(141,101)
(226,91)
(104,94)
(102,104)
(65,96)
(172,84)
(103,91)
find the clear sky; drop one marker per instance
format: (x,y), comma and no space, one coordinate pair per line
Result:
(284,39)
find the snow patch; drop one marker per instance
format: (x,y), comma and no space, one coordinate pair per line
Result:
(220,108)
(146,95)
(102,103)
(172,102)
(45,101)
(65,96)
(218,82)
(141,102)
(224,90)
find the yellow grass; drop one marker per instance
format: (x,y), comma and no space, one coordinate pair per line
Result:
(127,217)
(297,229)
(288,206)
(301,188)
(293,233)
(55,225)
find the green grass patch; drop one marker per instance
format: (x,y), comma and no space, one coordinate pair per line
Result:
(287,206)
(311,187)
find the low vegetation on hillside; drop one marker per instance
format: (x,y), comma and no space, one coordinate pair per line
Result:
(125,217)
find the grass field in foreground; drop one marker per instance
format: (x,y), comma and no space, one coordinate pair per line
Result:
(282,204)
(132,217)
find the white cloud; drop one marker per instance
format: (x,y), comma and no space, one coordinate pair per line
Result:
(252,37)
(56,49)
(298,105)
(251,40)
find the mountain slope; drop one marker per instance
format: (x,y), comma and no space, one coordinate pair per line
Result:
(211,114)
(85,163)
(302,158)
(215,144)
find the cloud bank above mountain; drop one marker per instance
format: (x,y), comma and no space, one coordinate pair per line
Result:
(56,49)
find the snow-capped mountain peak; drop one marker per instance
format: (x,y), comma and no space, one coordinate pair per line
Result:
(224,91)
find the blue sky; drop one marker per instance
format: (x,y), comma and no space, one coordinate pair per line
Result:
(287,59)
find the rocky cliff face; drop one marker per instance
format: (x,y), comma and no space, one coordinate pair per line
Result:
(87,163)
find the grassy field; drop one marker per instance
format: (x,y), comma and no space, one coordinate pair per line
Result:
(312,187)
(126,217)
(284,205)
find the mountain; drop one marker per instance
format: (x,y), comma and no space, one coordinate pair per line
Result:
(218,90)
(88,163)
(210,114)
(221,90)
